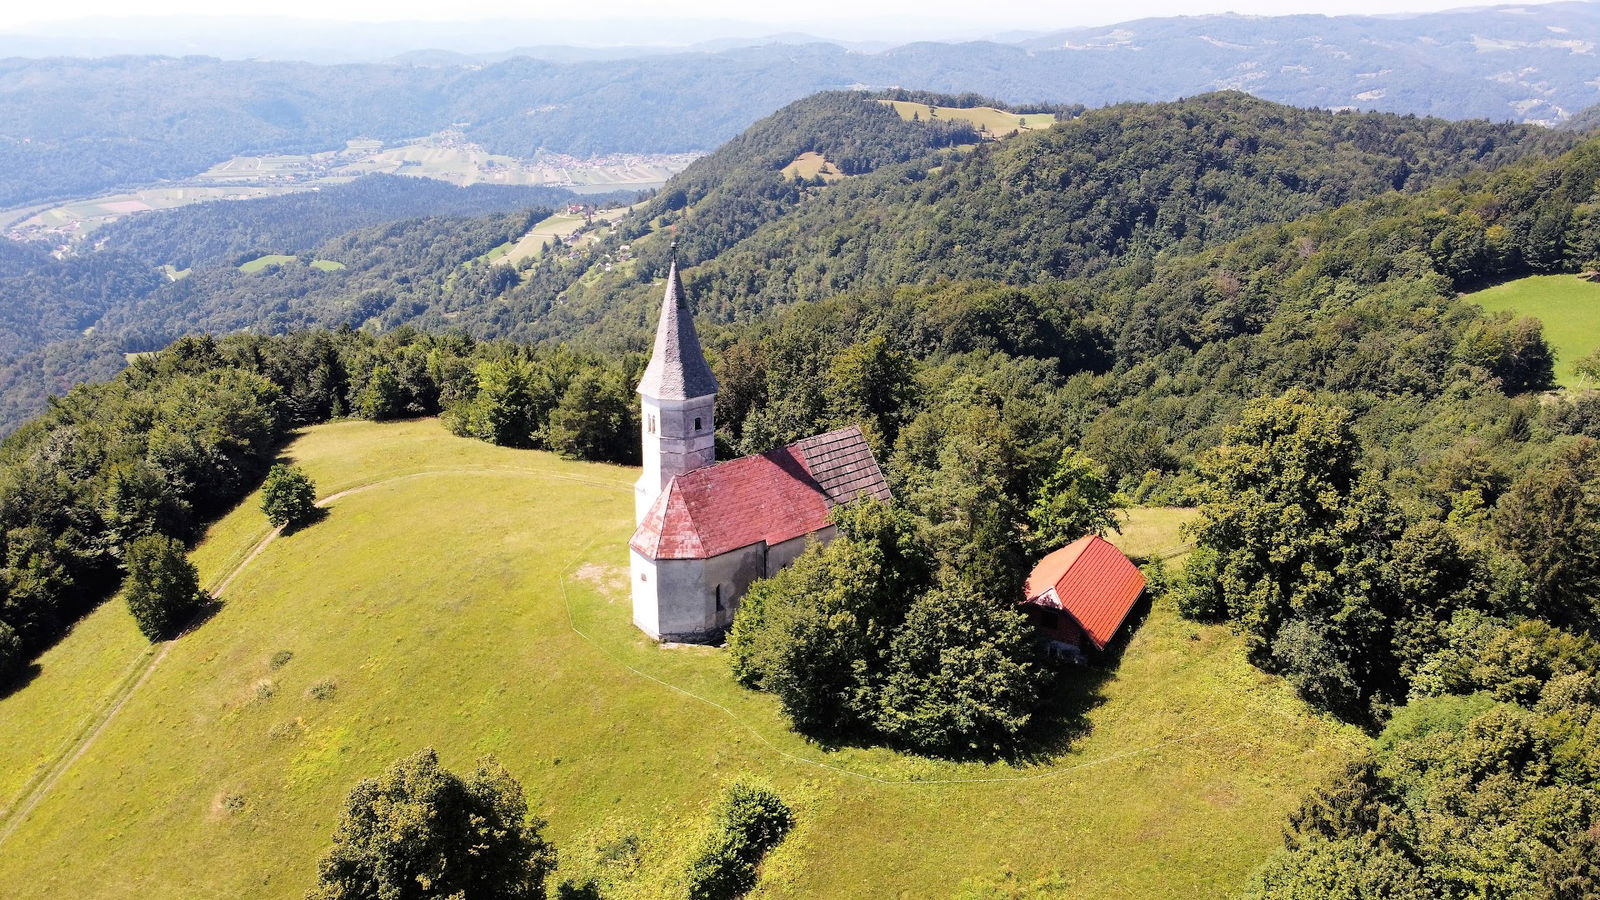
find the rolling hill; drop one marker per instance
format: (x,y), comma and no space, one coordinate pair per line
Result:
(466,596)
(912,202)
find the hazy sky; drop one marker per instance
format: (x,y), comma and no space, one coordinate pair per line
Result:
(985,16)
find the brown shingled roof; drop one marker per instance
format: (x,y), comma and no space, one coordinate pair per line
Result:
(770,497)
(678,368)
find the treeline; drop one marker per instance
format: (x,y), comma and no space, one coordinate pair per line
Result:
(970,100)
(392,272)
(183,434)
(65,320)
(1468,628)
(1119,182)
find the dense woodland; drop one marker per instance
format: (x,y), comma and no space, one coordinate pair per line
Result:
(1130,180)
(1395,511)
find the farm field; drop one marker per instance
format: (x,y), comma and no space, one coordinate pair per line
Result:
(550,228)
(997,122)
(1568,306)
(474,598)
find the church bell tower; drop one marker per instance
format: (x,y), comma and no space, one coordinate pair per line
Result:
(678,396)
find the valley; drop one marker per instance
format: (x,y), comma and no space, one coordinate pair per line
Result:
(446,156)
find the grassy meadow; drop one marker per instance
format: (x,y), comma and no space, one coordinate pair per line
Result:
(1569,307)
(997,122)
(474,598)
(811,164)
(261,263)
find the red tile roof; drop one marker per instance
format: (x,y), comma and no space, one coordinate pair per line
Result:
(772,497)
(1091,581)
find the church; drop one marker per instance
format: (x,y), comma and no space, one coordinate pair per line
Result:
(707,530)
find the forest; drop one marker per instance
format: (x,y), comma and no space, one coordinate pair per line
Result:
(64,315)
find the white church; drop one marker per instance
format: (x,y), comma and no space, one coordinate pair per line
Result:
(707,530)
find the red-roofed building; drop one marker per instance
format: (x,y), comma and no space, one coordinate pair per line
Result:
(1081,594)
(707,530)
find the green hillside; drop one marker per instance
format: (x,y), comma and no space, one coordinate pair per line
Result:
(473,598)
(1569,307)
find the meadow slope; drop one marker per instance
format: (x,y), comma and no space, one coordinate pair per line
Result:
(473,598)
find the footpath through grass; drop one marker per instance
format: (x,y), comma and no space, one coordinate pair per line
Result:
(1569,307)
(474,599)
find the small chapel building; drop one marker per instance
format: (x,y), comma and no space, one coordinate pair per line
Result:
(707,530)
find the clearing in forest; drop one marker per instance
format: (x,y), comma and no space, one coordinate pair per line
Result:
(997,122)
(812,164)
(261,263)
(1569,307)
(472,598)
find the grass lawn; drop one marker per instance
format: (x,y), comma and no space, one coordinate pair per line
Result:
(260,263)
(474,599)
(1568,306)
(1154,531)
(997,122)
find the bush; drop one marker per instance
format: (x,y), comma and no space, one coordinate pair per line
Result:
(11,657)
(288,497)
(750,821)
(163,588)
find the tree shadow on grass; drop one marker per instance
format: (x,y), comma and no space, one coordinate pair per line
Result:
(316,515)
(203,613)
(19,680)
(1076,691)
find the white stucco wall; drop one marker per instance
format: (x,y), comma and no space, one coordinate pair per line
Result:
(671,444)
(781,555)
(676,599)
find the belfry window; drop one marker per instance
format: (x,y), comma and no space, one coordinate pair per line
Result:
(652,421)
(696,424)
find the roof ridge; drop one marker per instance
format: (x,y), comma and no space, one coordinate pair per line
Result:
(678,369)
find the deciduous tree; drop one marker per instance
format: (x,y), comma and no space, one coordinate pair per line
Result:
(421,832)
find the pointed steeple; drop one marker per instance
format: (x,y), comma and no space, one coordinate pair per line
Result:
(678,368)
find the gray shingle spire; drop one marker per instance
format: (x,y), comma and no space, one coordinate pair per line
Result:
(678,369)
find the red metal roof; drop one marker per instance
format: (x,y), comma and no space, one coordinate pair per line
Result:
(1091,581)
(772,497)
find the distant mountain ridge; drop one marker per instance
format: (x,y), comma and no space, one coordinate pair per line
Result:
(70,127)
